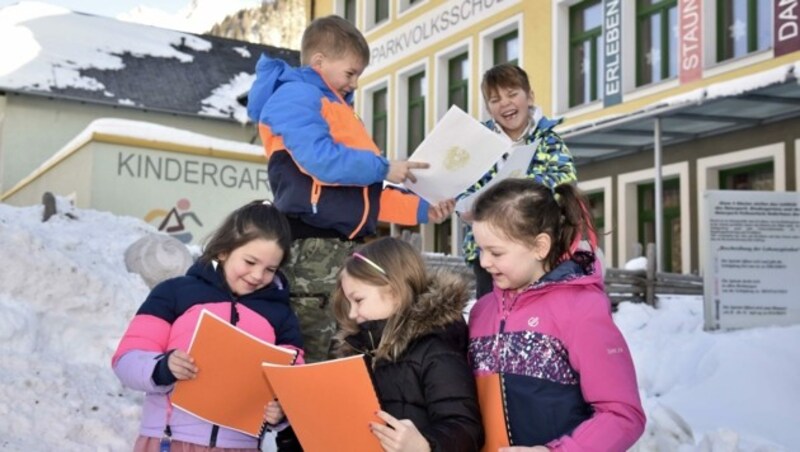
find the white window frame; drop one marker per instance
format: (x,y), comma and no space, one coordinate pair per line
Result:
(401,106)
(365,107)
(708,169)
(605,242)
(560,34)
(797,165)
(441,70)
(486,39)
(627,217)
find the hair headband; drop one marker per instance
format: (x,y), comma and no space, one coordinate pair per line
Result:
(370,262)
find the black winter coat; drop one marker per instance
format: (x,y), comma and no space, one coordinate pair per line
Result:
(431,382)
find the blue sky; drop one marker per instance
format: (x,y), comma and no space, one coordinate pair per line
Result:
(111,8)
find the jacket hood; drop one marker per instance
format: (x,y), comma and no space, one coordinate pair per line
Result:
(271,73)
(582,269)
(211,273)
(438,311)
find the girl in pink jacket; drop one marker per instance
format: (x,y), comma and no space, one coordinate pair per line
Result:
(566,374)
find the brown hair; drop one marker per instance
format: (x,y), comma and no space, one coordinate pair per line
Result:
(504,75)
(255,220)
(335,37)
(521,209)
(405,277)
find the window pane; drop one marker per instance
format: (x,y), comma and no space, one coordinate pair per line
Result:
(379,122)
(506,48)
(416,111)
(381,10)
(764,23)
(350,11)
(579,74)
(672,50)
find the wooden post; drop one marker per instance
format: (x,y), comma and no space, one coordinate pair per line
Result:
(650,276)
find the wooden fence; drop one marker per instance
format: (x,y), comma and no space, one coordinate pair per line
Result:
(639,286)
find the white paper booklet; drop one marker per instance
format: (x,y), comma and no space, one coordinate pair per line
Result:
(515,166)
(460,150)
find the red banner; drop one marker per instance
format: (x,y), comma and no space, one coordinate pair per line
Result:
(787,26)
(690,40)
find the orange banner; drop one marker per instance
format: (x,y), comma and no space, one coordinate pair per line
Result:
(230,389)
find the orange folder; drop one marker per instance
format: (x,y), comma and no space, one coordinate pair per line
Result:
(329,404)
(230,388)
(490,398)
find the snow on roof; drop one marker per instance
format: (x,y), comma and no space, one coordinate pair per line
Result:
(62,53)
(143,133)
(717,90)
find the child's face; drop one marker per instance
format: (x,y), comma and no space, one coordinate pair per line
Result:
(368,302)
(341,73)
(509,108)
(512,265)
(251,266)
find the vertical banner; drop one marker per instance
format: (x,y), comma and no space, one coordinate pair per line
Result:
(690,40)
(786,34)
(752,259)
(612,53)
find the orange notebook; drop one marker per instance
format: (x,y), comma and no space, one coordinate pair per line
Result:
(490,398)
(329,404)
(230,388)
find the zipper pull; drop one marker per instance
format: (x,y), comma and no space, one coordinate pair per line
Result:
(314,208)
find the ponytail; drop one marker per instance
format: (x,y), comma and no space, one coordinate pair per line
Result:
(574,225)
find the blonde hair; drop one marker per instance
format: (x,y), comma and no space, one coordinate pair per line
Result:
(335,37)
(405,276)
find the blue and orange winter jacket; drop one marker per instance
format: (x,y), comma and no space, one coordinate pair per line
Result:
(567,376)
(324,169)
(166,321)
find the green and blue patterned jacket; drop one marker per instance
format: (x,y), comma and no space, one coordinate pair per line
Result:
(551,165)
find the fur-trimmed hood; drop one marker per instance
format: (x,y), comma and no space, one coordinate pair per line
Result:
(439,311)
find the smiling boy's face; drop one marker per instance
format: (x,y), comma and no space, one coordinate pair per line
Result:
(509,106)
(341,73)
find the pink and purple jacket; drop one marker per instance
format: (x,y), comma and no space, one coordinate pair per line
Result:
(566,373)
(166,321)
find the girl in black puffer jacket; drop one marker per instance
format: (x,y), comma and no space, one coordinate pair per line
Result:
(411,327)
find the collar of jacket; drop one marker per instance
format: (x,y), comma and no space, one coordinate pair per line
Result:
(212,274)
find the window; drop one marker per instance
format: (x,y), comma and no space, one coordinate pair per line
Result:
(381,10)
(416,110)
(657,41)
(597,207)
(752,177)
(442,237)
(672,221)
(379,119)
(458,82)
(743,26)
(350,11)
(506,48)
(585,52)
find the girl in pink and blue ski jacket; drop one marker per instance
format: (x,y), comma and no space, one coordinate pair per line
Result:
(567,377)
(236,278)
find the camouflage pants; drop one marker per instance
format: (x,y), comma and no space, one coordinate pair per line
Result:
(312,271)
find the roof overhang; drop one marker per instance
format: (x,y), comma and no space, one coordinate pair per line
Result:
(749,101)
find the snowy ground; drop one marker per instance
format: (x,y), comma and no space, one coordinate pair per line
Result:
(66,297)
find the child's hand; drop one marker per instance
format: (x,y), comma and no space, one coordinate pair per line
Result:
(399,170)
(182,365)
(441,211)
(273,414)
(398,435)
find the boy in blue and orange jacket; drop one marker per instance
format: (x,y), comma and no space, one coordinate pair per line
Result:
(326,174)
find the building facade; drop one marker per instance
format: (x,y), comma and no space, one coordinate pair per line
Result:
(711,85)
